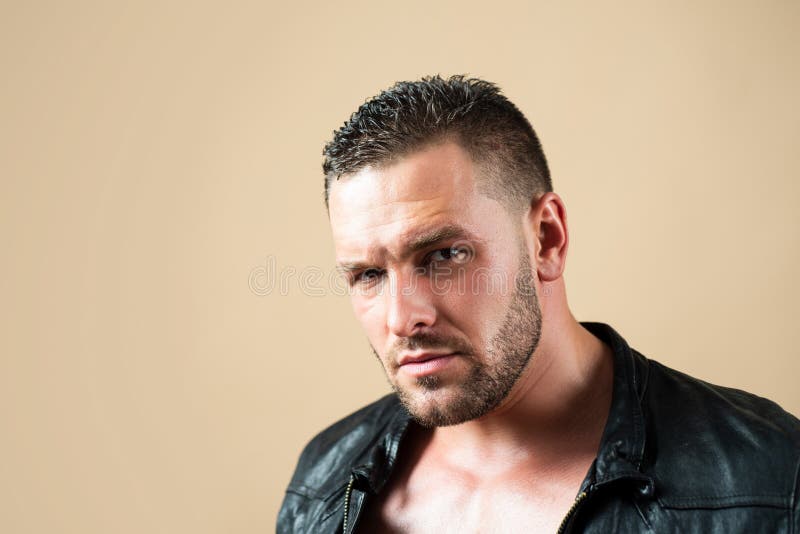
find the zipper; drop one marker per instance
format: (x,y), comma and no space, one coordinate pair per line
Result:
(347,493)
(571,512)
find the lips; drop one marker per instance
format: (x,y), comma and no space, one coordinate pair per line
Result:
(420,357)
(426,363)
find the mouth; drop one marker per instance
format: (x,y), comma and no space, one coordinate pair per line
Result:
(426,363)
(419,357)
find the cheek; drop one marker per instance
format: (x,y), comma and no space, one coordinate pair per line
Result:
(479,300)
(370,314)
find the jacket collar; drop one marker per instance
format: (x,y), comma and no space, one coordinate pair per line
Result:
(622,446)
(383,456)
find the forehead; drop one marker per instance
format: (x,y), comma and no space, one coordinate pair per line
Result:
(377,209)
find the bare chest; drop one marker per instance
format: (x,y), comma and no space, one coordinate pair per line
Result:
(440,504)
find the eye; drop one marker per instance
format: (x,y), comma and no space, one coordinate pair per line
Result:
(368,276)
(456,254)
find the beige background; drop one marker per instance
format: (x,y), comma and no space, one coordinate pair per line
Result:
(156,156)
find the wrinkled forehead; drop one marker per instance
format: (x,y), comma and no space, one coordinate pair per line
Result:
(433,186)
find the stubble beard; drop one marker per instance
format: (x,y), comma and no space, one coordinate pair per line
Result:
(489,381)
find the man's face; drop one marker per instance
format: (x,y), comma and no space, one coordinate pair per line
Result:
(440,280)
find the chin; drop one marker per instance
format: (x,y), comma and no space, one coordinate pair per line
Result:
(439,406)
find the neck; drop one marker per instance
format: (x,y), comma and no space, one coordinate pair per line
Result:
(556,411)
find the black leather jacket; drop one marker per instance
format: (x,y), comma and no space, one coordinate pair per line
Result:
(677,455)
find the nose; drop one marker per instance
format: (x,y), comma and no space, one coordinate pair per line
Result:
(410,307)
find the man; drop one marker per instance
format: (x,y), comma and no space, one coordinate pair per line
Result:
(508,415)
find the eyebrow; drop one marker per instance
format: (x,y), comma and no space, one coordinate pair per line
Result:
(417,242)
(424,240)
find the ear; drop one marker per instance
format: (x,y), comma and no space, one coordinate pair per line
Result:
(548,221)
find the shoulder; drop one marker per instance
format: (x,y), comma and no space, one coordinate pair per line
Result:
(713,446)
(326,461)
(314,497)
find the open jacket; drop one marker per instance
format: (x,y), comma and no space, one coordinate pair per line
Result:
(677,455)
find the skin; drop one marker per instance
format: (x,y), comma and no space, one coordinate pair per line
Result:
(518,466)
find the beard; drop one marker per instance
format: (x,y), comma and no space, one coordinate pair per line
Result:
(491,378)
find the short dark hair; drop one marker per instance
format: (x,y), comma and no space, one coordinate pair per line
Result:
(410,116)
